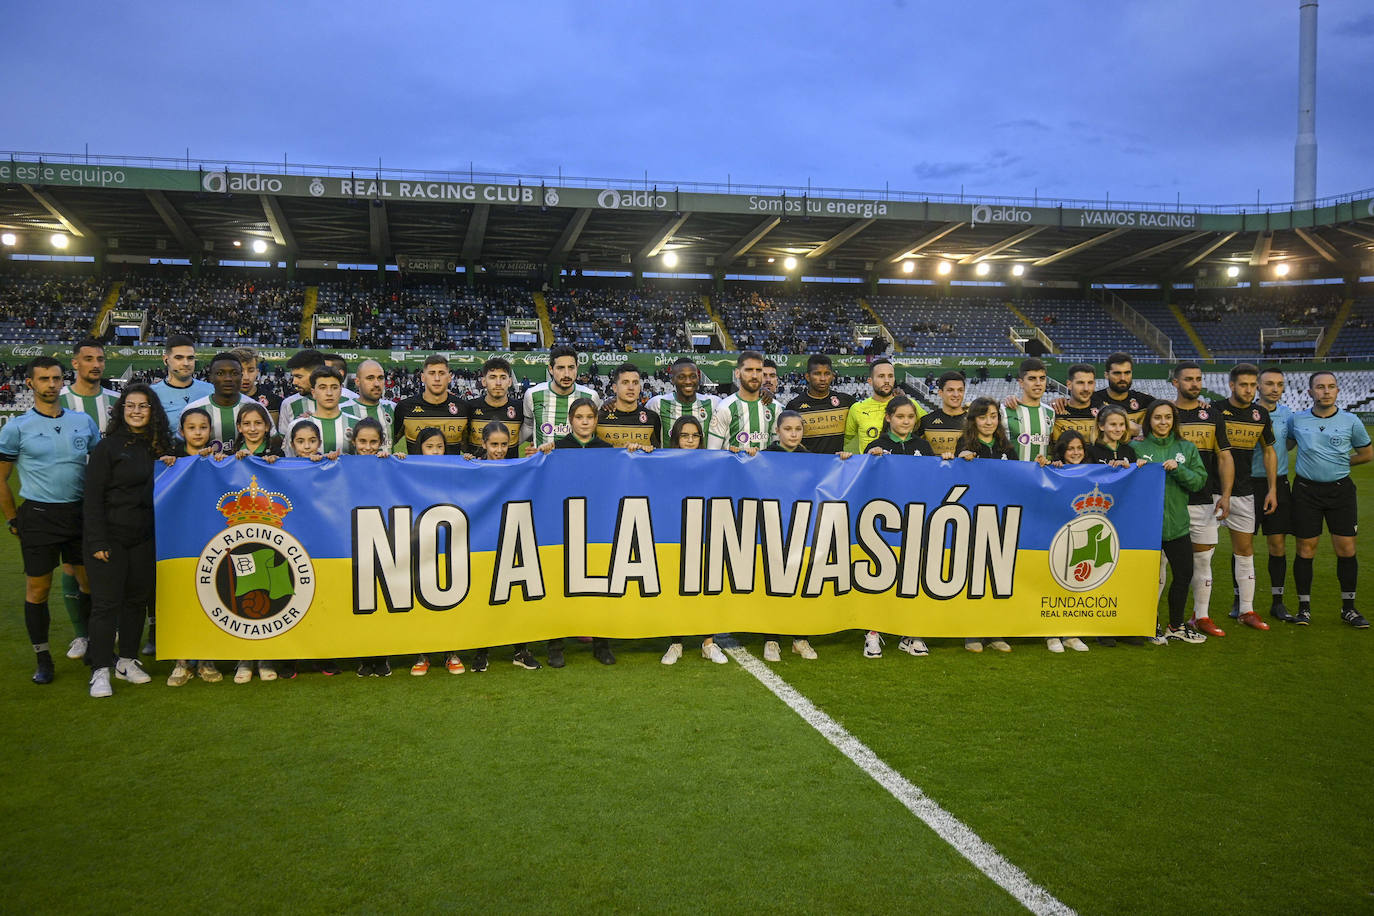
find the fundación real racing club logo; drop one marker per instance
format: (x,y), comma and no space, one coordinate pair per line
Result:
(1083,553)
(254,579)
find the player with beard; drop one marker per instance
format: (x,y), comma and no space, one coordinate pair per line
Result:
(685,401)
(943,427)
(370,403)
(495,405)
(742,421)
(434,406)
(770,381)
(1197,423)
(1277,525)
(87,395)
(181,386)
(823,410)
(298,404)
(865,420)
(624,420)
(1079,413)
(224,403)
(546,404)
(1244,429)
(252,369)
(1120,374)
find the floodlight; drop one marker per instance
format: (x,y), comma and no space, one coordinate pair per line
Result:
(944,268)
(670,259)
(908,267)
(983,268)
(238,244)
(58,240)
(259,246)
(1280,270)
(790,263)
(1233,271)
(770,260)
(9,240)
(1018,270)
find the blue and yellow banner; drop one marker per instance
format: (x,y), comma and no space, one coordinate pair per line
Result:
(370,556)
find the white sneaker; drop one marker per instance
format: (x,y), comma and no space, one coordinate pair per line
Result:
(973,645)
(913,646)
(1001,645)
(180,676)
(771,653)
(1054,644)
(1159,639)
(673,654)
(873,645)
(266,672)
(100,683)
(243,672)
(129,669)
(1076,644)
(712,653)
(78,648)
(209,673)
(803,648)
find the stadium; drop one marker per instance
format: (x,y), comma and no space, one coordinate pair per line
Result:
(1159,778)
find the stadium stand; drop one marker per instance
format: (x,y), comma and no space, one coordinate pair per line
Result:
(1162,317)
(1080,329)
(426,316)
(624,320)
(220,310)
(41,308)
(794,322)
(1356,336)
(972,327)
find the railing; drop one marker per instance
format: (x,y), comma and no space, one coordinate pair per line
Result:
(1137,323)
(472,175)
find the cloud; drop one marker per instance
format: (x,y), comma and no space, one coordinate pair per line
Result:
(940,171)
(1359,27)
(1023,124)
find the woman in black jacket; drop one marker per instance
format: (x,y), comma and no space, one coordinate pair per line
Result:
(118,535)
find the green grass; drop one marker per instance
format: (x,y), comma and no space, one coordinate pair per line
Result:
(1231,776)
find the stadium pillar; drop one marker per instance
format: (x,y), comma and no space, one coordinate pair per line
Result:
(718,282)
(290,269)
(1166,291)
(470,273)
(639,273)
(381,270)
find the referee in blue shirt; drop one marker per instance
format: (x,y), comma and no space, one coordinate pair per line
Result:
(1324,492)
(49,446)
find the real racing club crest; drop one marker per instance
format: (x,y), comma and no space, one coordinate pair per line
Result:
(1083,553)
(254,579)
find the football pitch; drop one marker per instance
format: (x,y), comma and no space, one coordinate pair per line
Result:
(1232,776)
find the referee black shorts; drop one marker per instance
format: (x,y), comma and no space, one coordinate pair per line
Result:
(1280,521)
(1316,501)
(49,533)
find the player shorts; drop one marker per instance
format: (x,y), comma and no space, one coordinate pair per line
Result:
(1280,521)
(1202,523)
(49,533)
(1333,502)
(1242,515)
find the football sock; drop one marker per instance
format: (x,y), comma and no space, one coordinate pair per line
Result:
(36,621)
(1278,572)
(1347,569)
(1235,579)
(71,593)
(1202,582)
(1244,569)
(1302,580)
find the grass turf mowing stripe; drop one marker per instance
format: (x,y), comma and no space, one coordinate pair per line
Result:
(949,828)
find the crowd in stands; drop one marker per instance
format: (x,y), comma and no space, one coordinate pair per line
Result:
(624,320)
(43,308)
(794,322)
(436,315)
(223,311)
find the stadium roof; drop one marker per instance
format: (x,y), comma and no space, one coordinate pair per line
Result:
(523,224)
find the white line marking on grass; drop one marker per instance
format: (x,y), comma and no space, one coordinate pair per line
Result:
(948,827)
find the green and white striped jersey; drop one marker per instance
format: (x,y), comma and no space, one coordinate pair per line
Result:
(336,434)
(292,409)
(739,423)
(96,406)
(546,412)
(222,419)
(670,410)
(384,412)
(1029,429)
